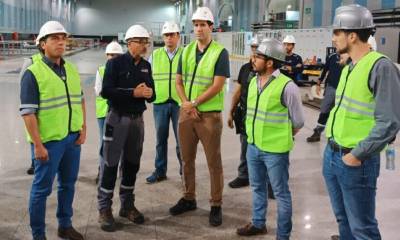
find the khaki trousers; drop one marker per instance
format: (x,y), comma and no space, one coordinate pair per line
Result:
(207,130)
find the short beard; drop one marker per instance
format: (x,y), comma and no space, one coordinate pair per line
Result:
(344,50)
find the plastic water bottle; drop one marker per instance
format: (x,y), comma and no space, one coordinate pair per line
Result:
(390,156)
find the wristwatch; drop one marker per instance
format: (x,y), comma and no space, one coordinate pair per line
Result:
(194,103)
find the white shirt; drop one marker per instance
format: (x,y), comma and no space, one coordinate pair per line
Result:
(98,85)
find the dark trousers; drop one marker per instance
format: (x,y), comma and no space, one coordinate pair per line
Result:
(123,141)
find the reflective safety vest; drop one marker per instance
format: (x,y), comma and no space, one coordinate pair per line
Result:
(352,118)
(198,77)
(164,75)
(101,103)
(36,57)
(267,120)
(60,108)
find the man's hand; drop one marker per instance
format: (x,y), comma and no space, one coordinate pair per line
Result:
(289,68)
(147,92)
(82,136)
(295,131)
(187,107)
(194,114)
(350,160)
(318,89)
(41,153)
(138,92)
(230,120)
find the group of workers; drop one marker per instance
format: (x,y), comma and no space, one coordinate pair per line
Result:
(186,87)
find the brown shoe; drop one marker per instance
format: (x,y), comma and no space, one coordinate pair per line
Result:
(133,215)
(250,230)
(106,220)
(69,233)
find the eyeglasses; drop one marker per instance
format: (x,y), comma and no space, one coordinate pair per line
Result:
(141,42)
(169,34)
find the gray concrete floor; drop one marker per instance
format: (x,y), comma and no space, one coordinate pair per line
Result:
(313,218)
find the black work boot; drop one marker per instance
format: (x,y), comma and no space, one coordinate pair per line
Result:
(215,218)
(69,233)
(239,182)
(132,214)
(106,220)
(182,206)
(316,136)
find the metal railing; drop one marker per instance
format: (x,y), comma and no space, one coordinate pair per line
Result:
(11,48)
(26,48)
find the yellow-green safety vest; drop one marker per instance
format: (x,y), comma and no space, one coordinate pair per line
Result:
(352,118)
(36,57)
(164,75)
(197,78)
(267,120)
(60,108)
(101,103)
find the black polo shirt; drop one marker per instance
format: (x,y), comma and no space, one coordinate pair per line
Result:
(120,78)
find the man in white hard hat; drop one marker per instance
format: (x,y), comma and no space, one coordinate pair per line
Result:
(127,85)
(164,62)
(113,50)
(274,115)
(366,117)
(294,63)
(53,110)
(202,71)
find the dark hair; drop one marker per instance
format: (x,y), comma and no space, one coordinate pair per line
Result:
(363,34)
(39,47)
(276,64)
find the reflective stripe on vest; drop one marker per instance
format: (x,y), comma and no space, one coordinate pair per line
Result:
(197,78)
(60,107)
(352,118)
(164,75)
(267,121)
(101,103)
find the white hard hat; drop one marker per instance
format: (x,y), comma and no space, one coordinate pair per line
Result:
(254,41)
(114,48)
(203,13)
(353,16)
(372,42)
(272,48)
(50,27)
(136,31)
(170,27)
(289,39)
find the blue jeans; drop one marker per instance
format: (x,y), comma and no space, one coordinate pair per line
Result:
(64,158)
(163,113)
(352,191)
(272,167)
(100,122)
